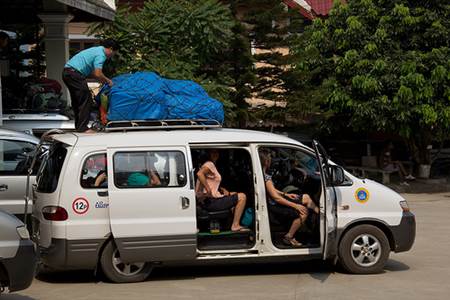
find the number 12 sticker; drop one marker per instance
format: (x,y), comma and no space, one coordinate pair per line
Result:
(80,206)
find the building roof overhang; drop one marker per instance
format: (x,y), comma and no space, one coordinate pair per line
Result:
(27,11)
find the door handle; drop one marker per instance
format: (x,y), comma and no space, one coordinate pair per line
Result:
(184,202)
(3,187)
(102,193)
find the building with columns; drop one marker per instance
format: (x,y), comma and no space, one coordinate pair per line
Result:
(55,16)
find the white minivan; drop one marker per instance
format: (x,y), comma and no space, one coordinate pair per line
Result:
(91,210)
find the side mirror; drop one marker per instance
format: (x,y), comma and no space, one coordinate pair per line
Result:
(337,175)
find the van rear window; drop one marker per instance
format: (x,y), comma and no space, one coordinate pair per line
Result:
(50,171)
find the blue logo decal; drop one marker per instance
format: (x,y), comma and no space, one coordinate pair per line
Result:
(101,204)
(362,195)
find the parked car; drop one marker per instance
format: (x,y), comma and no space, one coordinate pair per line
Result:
(17,254)
(125,201)
(37,123)
(16,150)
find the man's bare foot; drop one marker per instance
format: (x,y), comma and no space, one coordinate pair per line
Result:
(90,131)
(239,229)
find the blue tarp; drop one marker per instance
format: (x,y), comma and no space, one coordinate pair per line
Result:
(148,96)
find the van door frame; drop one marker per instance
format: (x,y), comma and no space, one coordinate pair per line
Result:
(241,146)
(268,247)
(330,205)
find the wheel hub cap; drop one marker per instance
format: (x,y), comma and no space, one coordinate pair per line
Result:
(366,250)
(126,269)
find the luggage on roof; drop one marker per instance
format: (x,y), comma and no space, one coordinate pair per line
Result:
(148,96)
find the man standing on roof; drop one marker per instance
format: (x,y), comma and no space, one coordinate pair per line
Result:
(77,69)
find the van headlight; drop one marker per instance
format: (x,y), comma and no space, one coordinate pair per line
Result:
(22,231)
(404,206)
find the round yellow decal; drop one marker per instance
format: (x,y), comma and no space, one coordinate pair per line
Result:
(362,195)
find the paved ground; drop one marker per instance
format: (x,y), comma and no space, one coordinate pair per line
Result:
(422,273)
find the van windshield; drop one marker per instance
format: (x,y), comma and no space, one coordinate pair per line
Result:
(48,175)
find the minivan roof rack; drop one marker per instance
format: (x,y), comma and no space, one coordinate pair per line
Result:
(133,125)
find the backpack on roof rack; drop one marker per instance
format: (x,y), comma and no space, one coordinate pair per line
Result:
(147,96)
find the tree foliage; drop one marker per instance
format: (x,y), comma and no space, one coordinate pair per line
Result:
(184,39)
(269,24)
(381,65)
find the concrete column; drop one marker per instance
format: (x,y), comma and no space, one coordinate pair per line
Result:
(56,46)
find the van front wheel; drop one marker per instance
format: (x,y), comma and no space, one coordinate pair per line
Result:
(118,271)
(364,249)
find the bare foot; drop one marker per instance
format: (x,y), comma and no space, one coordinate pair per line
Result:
(90,131)
(239,229)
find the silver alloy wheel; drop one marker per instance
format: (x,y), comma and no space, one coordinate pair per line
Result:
(366,250)
(126,269)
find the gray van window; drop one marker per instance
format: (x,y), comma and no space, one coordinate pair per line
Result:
(149,169)
(14,156)
(50,171)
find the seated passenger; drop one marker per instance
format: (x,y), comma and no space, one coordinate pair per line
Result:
(139,179)
(101,180)
(214,198)
(294,209)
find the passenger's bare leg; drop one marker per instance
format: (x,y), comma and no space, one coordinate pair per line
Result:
(306,200)
(296,224)
(238,210)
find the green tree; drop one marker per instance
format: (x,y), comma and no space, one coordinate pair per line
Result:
(185,39)
(381,65)
(269,24)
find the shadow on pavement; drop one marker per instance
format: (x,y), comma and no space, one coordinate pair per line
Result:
(68,277)
(316,269)
(393,265)
(15,297)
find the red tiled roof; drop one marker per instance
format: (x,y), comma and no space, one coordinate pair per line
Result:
(321,7)
(293,4)
(318,7)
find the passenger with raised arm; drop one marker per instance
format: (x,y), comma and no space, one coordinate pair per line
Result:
(213,197)
(286,206)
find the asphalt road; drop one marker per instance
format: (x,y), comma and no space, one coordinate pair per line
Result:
(422,273)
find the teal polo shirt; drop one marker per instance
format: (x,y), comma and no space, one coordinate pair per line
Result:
(87,60)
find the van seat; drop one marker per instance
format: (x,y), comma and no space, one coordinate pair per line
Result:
(204,218)
(203,214)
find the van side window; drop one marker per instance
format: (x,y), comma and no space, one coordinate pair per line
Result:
(93,174)
(295,170)
(50,170)
(149,169)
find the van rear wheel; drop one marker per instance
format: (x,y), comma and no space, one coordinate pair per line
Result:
(364,249)
(117,271)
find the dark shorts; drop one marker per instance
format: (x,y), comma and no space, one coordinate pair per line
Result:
(223,203)
(283,213)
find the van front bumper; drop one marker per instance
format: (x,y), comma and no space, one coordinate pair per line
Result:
(404,234)
(22,267)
